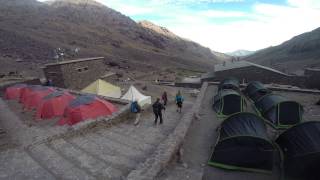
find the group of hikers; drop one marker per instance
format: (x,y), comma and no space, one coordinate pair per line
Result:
(157,107)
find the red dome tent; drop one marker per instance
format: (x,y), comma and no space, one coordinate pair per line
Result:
(14,92)
(32,95)
(25,92)
(86,107)
(53,105)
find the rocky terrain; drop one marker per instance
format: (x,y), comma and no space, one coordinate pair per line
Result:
(293,55)
(33,33)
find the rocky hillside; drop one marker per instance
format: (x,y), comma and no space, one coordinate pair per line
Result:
(293,55)
(33,32)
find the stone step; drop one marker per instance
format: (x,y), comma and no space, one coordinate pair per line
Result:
(115,160)
(60,167)
(116,148)
(150,135)
(14,163)
(137,144)
(85,161)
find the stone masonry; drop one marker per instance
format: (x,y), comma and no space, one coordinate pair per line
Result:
(75,74)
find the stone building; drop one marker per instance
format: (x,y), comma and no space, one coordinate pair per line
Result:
(75,74)
(312,76)
(246,71)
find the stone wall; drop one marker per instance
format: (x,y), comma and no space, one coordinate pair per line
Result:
(313,76)
(54,73)
(75,75)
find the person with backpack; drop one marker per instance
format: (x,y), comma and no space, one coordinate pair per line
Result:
(157,110)
(179,101)
(135,108)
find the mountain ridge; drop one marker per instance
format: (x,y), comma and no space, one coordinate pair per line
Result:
(95,29)
(301,51)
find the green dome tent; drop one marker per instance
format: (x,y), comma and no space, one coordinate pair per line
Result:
(243,144)
(256,90)
(279,111)
(301,148)
(228,102)
(229,83)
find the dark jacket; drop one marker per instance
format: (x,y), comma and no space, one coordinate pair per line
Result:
(158,107)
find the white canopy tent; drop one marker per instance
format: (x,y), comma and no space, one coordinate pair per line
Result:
(134,94)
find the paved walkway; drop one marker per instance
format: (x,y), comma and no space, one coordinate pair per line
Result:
(98,153)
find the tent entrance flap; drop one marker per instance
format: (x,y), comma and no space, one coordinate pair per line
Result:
(289,113)
(232,104)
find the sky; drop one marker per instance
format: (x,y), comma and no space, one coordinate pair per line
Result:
(227,25)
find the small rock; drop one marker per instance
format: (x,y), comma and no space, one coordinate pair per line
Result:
(185,165)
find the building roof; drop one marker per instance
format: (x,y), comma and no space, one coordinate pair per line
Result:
(313,69)
(73,61)
(191,80)
(208,75)
(241,64)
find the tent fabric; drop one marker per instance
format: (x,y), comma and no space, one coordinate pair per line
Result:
(133,94)
(243,144)
(34,96)
(54,105)
(14,92)
(256,90)
(26,91)
(228,102)
(279,111)
(243,124)
(85,108)
(229,83)
(301,148)
(103,88)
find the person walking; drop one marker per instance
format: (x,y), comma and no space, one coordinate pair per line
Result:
(179,101)
(157,110)
(164,98)
(135,108)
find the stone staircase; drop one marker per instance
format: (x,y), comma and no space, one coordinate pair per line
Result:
(98,153)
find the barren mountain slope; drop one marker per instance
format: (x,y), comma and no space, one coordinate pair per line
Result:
(32,31)
(293,55)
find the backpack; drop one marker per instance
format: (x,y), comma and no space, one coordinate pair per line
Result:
(179,98)
(134,107)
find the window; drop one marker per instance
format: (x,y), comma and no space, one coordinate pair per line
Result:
(82,69)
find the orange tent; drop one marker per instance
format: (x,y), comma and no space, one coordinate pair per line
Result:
(53,105)
(84,108)
(14,92)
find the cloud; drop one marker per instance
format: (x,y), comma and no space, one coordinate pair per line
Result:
(267,25)
(313,4)
(219,13)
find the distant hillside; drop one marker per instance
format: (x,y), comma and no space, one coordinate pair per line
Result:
(293,55)
(222,56)
(240,53)
(31,31)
